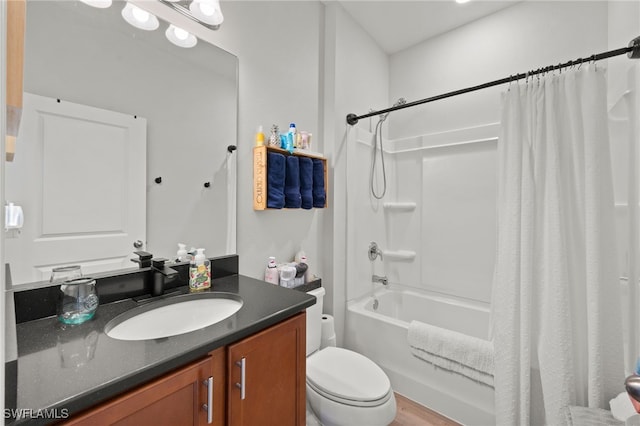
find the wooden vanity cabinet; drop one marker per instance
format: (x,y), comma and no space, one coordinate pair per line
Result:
(267,376)
(274,386)
(178,398)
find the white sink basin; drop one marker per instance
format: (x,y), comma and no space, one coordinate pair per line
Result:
(173,316)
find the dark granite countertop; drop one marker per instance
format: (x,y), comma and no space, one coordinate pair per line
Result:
(76,367)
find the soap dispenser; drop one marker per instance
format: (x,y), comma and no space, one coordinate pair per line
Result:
(199,272)
(271,272)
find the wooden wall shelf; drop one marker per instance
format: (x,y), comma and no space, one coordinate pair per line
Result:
(260,173)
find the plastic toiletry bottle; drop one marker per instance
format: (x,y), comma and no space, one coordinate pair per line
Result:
(182,255)
(271,273)
(199,272)
(259,137)
(293,132)
(301,257)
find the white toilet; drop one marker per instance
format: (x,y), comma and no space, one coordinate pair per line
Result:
(344,388)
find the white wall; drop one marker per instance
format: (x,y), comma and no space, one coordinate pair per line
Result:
(528,35)
(278,47)
(356,79)
(311,71)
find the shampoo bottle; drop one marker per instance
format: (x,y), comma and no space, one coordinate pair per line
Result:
(199,272)
(293,132)
(271,273)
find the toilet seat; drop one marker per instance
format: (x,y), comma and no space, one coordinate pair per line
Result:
(347,377)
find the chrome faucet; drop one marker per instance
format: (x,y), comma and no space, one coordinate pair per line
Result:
(379,279)
(160,272)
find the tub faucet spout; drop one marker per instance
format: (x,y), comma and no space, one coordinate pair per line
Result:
(379,279)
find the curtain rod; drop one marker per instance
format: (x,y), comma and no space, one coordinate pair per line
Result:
(632,51)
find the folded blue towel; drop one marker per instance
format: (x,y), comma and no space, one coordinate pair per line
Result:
(319,193)
(306,182)
(275,180)
(292,197)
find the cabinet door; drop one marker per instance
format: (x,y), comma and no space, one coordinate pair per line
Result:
(266,376)
(175,399)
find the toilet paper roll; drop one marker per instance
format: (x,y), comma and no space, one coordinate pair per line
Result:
(328,333)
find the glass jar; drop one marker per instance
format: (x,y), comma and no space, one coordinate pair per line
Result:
(77,300)
(63,273)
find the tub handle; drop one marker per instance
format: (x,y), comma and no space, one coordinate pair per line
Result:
(374,251)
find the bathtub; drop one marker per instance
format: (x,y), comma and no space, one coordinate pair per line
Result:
(377,327)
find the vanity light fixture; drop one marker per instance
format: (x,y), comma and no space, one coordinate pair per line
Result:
(462,1)
(139,18)
(205,12)
(180,37)
(100,4)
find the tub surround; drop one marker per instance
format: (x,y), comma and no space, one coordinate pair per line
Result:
(77,367)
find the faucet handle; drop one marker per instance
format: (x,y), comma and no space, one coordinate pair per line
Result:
(158,265)
(158,262)
(144,258)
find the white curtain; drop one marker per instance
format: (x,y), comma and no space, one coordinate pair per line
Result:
(555,304)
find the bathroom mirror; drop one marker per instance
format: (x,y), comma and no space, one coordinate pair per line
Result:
(183,104)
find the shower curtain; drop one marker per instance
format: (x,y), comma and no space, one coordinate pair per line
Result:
(555,302)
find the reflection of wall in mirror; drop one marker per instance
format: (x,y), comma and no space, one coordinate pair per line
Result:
(190,106)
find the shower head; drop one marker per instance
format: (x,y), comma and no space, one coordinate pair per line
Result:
(399,102)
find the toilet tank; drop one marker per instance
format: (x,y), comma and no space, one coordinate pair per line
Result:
(314,321)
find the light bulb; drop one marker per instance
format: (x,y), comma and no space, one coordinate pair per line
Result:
(180,33)
(207,11)
(101,4)
(206,8)
(180,37)
(140,15)
(139,18)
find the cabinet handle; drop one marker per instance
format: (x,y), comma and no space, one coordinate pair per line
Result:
(208,407)
(242,364)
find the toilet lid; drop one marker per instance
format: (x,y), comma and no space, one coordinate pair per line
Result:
(342,374)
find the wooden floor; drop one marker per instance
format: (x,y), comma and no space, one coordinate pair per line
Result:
(413,414)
